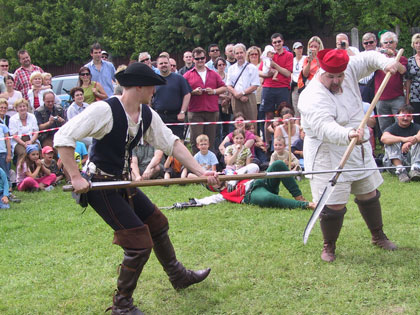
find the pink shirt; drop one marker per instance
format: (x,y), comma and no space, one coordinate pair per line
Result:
(394,88)
(204,102)
(284,60)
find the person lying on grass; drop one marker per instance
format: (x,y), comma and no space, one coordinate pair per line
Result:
(260,192)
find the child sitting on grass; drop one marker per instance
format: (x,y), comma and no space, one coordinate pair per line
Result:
(204,157)
(238,158)
(172,168)
(49,162)
(32,175)
(280,153)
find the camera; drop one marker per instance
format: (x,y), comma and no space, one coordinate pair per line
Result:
(310,53)
(343,45)
(55,118)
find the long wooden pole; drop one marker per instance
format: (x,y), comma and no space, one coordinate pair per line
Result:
(203,180)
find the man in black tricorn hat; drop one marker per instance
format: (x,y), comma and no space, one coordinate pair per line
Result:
(117,125)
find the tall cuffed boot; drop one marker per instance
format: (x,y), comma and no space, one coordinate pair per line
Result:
(331,222)
(179,276)
(131,267)
(372,214)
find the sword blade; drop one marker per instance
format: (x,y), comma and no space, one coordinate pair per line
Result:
(315,214)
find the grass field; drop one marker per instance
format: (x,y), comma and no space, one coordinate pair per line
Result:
(54,259)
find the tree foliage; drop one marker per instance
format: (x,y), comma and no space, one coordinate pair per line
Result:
(59,32)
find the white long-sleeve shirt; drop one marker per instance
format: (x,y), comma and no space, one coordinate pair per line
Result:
(327,118)
(96,121)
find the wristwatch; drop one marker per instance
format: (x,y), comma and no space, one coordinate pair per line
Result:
(182,112)
(243,93)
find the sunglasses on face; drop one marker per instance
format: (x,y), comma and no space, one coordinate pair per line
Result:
(144,60)
(388,42)
(221,65)
(84,74)
(369,42)
(277,41)
(254,54)
(4,66)
(199,58)
(214,50)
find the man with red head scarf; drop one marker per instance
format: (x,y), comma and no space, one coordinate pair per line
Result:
(331,111)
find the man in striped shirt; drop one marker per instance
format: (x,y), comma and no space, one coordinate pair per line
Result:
(23,73)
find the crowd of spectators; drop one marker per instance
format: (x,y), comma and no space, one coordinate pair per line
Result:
(244,84)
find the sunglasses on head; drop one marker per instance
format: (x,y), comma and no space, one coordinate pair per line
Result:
(199,58)
(84,74)
(369,42)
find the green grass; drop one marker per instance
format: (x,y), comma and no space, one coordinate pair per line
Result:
(56,260)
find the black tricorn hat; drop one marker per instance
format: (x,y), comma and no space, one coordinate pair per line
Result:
(139,74)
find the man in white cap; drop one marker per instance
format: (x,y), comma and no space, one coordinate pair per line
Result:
(117,125)
(331,110)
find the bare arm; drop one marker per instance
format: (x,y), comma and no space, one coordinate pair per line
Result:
(307,68)
(99,91)
(278,132)
(249,143)
(407,91)
(135,171)
(184,106)
(9,148)
(80,184)
(388,138)
(281,70)
(401,69)
(222,145)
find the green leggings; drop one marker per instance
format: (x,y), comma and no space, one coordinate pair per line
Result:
(265,191)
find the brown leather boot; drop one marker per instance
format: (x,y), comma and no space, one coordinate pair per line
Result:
(372,214)
(130,268)
(331,222)
(179,276)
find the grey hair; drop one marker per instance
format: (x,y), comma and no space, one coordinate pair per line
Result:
(239,45)
(342,34)
(391,35)
(368,35)
(144,54)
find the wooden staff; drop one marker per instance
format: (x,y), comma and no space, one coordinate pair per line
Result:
(203,180)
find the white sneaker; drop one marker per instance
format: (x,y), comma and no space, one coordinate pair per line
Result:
(49,188)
